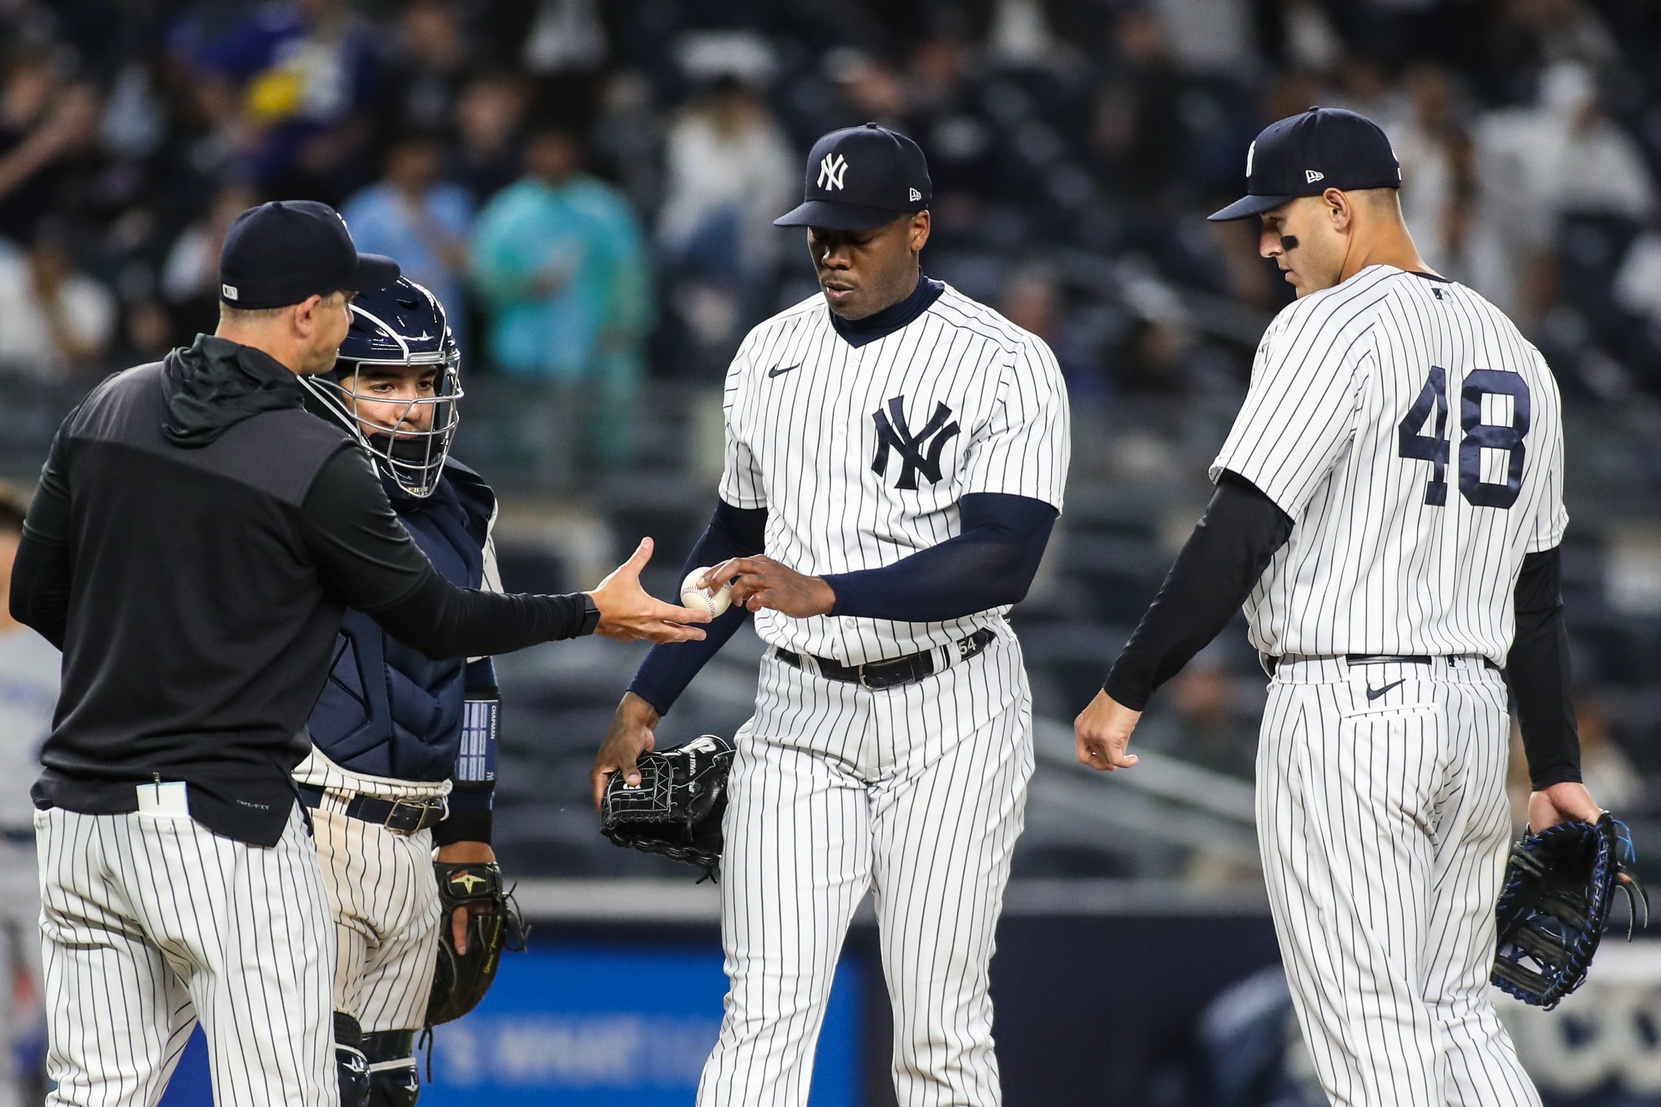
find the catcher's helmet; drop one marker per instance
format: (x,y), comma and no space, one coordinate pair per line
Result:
(401,327)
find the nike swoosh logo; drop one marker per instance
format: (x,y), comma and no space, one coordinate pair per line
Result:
(1375,693)
(777,369)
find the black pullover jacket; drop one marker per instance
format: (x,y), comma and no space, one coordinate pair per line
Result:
(195,539)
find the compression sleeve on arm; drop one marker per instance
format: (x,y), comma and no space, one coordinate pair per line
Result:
(373,565)
(43,570)
(1538,670)
(40,588)
(668,669)
(989,564)
(1218,567)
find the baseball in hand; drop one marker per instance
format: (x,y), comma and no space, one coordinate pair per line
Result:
(716,600)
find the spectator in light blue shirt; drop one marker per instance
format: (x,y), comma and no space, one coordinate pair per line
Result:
(423,222)
(559,269)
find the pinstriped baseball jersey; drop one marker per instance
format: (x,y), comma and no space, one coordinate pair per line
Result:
(860,454)
(1415,439)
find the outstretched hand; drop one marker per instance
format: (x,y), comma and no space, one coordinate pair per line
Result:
(1102,733)
(628,612)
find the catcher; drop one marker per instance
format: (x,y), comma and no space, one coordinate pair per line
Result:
(405,746)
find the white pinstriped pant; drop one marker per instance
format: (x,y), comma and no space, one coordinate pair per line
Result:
(1383,825)
(918,792)
(386,916)
(153,921)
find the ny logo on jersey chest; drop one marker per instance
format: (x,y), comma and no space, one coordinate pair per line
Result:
(919,452)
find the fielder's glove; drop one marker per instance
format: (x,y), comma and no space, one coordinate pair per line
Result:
(1554,906)
(676,808)
(462,979)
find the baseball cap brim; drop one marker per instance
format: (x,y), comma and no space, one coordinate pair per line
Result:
(1248,206)
(838,217)
(372,273)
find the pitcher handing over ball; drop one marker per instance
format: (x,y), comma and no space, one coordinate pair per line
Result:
(895,457)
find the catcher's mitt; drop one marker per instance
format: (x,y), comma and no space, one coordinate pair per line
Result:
(1554,906)
(462,979)
(676,808)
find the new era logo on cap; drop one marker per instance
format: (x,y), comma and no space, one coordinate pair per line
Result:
(914,196)
(1310,176)
(229,292)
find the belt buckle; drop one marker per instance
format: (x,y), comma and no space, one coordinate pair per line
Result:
(420,807)
(864,682)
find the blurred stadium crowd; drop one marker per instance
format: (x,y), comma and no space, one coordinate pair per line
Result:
(589,184)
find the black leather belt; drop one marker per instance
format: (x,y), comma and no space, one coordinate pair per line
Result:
(877,675)
(402,816)
(1271,663)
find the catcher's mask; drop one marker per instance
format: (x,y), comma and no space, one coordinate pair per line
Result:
(395,384)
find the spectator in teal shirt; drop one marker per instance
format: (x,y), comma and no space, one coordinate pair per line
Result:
(560,271)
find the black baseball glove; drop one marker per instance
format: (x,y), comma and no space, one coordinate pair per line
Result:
(1554,906)
(462,979)
(676,808)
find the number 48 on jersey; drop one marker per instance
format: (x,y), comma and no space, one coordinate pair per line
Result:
(1436,446)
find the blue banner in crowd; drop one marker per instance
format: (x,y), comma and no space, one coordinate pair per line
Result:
(585,1026)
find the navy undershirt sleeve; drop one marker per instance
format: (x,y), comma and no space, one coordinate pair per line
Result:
(1538,671)
(669,668)
(989,564)
(1218,567)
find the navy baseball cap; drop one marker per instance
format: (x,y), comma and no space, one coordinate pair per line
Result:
(281,252)
(1308,153)
(859,178)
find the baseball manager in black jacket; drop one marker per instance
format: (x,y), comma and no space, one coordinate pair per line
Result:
(195,539)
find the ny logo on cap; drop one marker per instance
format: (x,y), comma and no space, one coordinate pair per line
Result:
(831,168)
(1310,176)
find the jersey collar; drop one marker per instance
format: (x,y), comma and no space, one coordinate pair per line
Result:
(857,332)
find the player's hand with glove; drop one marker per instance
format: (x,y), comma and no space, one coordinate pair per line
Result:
(1102,734)
(1558,892)
(1559,803)
(629,735)
(628,612)
(482,921)
(676,810)
(465,853)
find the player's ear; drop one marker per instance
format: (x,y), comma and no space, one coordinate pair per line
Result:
(304,314)
(1340,209)
(917,234)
